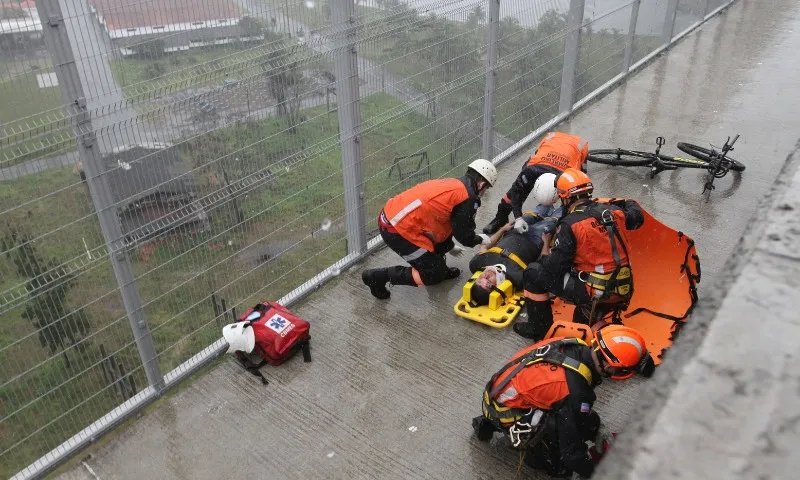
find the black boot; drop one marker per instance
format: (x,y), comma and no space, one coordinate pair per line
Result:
(483,428)
(500,219)
(376,279)
(540,319)
(452,272)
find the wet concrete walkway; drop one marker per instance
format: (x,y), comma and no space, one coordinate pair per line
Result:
(393,385)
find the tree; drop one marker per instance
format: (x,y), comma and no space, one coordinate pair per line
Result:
(477,15)
(150,50)
(48,284)
(287,83)
(252,27)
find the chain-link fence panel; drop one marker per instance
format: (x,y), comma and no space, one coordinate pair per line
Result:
(422,77)
(649,28)
(602,45)
(531,58)
(688,13)
(222,171)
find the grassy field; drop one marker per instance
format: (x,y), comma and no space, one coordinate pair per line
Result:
(25,106)
(132,71)
(278,246)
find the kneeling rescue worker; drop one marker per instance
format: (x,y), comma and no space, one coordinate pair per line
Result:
(542,398)
(556,152)
(420,223)
(588,263)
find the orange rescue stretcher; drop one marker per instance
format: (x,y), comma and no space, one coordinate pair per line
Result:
(666,270)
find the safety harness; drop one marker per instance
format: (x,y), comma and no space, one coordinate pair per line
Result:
(510,255)
(620,281)
(505,417)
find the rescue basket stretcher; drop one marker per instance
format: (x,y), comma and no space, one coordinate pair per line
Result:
(666,270)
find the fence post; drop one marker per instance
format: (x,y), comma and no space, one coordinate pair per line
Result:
(629,41)
(491,79)
(349,113)
(572,46)
(57,40)
(669,22)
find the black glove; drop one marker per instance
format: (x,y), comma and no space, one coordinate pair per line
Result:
(646,366)
(619,202)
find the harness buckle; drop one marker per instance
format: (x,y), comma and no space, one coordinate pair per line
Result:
(542,351)
(607,218)
(517,431)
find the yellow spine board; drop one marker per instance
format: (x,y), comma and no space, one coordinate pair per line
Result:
(499,313)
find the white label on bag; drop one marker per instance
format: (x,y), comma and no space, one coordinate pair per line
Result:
(279,324)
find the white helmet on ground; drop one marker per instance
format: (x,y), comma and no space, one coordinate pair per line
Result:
(485,169)
(240,337)
(544,190)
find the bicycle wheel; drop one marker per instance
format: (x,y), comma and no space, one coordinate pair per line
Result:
(619,157)
(707,155)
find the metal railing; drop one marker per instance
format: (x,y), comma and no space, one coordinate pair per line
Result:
(165,164)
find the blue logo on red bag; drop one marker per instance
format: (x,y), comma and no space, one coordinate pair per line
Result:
(277,323)
(280,325)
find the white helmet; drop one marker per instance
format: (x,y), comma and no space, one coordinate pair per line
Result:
(544,190)
(485,169)
(240,337)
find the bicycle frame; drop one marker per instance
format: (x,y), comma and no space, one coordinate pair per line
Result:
(716,167)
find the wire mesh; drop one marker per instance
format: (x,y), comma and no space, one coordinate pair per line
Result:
(421,96)
(715,4)
(688,13)
(602,45)
(531,41)
(215,130)
(649,28)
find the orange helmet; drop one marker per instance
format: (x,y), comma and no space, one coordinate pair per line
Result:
(623,348)
(572,182)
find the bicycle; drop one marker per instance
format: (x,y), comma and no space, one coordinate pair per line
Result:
(717,163)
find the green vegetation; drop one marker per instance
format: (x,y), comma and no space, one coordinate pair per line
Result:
(26,107)
(136,70)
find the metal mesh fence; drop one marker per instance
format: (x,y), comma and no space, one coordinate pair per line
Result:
(165,165)
(530,60)
(421,95)
(688,13)
(649,28)
(602,45)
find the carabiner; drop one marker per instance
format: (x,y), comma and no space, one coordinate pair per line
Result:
(607,221)
(542,351)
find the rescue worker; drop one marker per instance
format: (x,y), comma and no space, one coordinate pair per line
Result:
(588,263)
(514,248)
(419,225)
(556,152)
(543,397)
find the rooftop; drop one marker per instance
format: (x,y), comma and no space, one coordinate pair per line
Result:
(120,14)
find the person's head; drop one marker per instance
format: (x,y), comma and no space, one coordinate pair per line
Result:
(573,185)
(619,352)
(484,173)
(544,190)
(489,279)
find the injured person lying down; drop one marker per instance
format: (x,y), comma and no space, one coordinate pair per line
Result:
(510,254)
